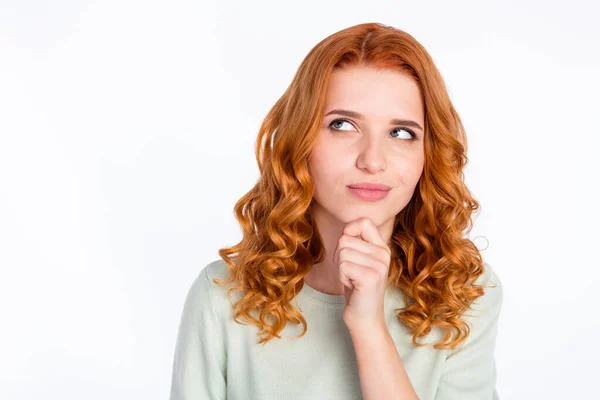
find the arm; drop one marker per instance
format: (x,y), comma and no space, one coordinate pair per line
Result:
(199,365)
(470,373)
(381,371)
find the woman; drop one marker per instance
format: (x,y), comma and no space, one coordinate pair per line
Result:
(353,271)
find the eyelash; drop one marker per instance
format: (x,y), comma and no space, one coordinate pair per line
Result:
(414,136)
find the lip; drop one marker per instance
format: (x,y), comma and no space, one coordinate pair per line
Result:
(369,186)
(369,191)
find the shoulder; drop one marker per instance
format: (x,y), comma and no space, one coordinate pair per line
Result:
(483,314)
(216,269)
(203,284)
(217,294)
(204,294)
(493,296)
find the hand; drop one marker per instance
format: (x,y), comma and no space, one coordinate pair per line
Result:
(363,259)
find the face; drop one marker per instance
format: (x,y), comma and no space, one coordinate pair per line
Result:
(367,145)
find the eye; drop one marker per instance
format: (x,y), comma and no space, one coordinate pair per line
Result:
(339,122)
(411,133)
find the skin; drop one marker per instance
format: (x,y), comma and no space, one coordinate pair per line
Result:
(367,149)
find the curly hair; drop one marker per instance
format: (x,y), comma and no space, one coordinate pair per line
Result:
(432,264)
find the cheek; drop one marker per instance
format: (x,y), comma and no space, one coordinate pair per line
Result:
(327,164)
(408,172)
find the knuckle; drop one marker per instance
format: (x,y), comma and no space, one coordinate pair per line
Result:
(347,229)
(343,252)
(343,241)
(373,276)
(384,268)
(385,255)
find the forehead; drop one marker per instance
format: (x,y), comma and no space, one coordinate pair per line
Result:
(373,92)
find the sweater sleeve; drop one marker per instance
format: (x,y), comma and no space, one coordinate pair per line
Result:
(470,372)
(199,365)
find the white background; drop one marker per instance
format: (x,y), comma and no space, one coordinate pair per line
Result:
(127,134)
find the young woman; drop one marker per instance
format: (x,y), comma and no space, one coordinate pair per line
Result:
(354,271)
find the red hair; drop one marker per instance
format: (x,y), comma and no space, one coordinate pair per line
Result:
(433,265)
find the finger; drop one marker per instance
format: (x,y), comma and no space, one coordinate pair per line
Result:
(357,244)
(355,276)
(365,229)
(347,241)
(375,251)
(363,260)
(345,274)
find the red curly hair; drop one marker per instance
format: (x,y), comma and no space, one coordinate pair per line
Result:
(433,265)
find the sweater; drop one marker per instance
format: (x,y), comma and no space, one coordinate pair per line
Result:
(217,358)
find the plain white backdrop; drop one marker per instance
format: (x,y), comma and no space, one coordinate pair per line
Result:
(127,133)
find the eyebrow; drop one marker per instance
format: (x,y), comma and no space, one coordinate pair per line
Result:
(354,114)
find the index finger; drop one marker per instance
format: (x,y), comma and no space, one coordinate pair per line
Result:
(365,229)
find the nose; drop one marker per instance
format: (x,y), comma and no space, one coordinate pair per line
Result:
(372,155)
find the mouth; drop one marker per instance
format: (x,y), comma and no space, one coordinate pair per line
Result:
(368,194)
(369,186)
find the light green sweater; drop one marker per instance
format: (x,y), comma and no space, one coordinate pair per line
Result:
(217,358)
